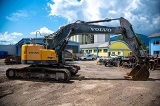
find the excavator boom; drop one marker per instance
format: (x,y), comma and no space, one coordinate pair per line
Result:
(81,27)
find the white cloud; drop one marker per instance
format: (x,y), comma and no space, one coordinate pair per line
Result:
(112,12)
(9,38)
(69,9)
(156,22)
(43,31)
(144,15)
(16,34)
(17,15)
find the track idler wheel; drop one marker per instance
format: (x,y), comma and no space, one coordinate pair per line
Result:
(63,77)
(10,73)
(139,73)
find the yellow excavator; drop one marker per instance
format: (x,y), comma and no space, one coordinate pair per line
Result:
(47,62)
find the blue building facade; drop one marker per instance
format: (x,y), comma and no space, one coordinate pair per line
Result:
(154,44)
(71,45)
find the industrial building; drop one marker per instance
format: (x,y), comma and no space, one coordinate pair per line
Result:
(10,49)
(16,49)
(73,44)
(154,44)
(119,48)
(90,38)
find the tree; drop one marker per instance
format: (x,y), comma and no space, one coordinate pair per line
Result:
(143,46)
(120,37)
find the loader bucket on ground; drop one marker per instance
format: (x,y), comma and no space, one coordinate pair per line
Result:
(138,73)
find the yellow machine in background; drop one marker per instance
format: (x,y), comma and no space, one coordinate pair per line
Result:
(36,53)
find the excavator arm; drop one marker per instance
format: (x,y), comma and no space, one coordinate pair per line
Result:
(61,38)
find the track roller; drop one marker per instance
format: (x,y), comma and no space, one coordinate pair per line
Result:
(10,73)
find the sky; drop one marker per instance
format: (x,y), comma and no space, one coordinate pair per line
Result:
(22,18)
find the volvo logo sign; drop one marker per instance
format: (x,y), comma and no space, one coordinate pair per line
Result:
(101,29)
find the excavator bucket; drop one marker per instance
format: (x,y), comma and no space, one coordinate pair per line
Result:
(138,73)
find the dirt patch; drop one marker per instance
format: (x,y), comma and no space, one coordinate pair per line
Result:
(95,85)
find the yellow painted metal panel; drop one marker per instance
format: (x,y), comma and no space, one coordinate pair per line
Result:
(37,52)
(24,52)
(33,51)
(48,55)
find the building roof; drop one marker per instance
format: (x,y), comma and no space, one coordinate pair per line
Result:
(21,41)
(106,44)
(154,35)
(90,45)
(94,45)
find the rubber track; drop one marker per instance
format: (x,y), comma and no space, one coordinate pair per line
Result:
(33,70)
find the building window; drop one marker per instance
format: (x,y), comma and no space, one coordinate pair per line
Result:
(105,50)
(90,51)
(92,38)
(155,53)
(95,50)
(156,42)
(99,50)
(113,53)
(119,53)
(86,51)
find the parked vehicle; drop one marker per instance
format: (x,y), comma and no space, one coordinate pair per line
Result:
(88,57)
(113,56)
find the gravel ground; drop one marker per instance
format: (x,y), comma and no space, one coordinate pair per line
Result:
(95,85)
